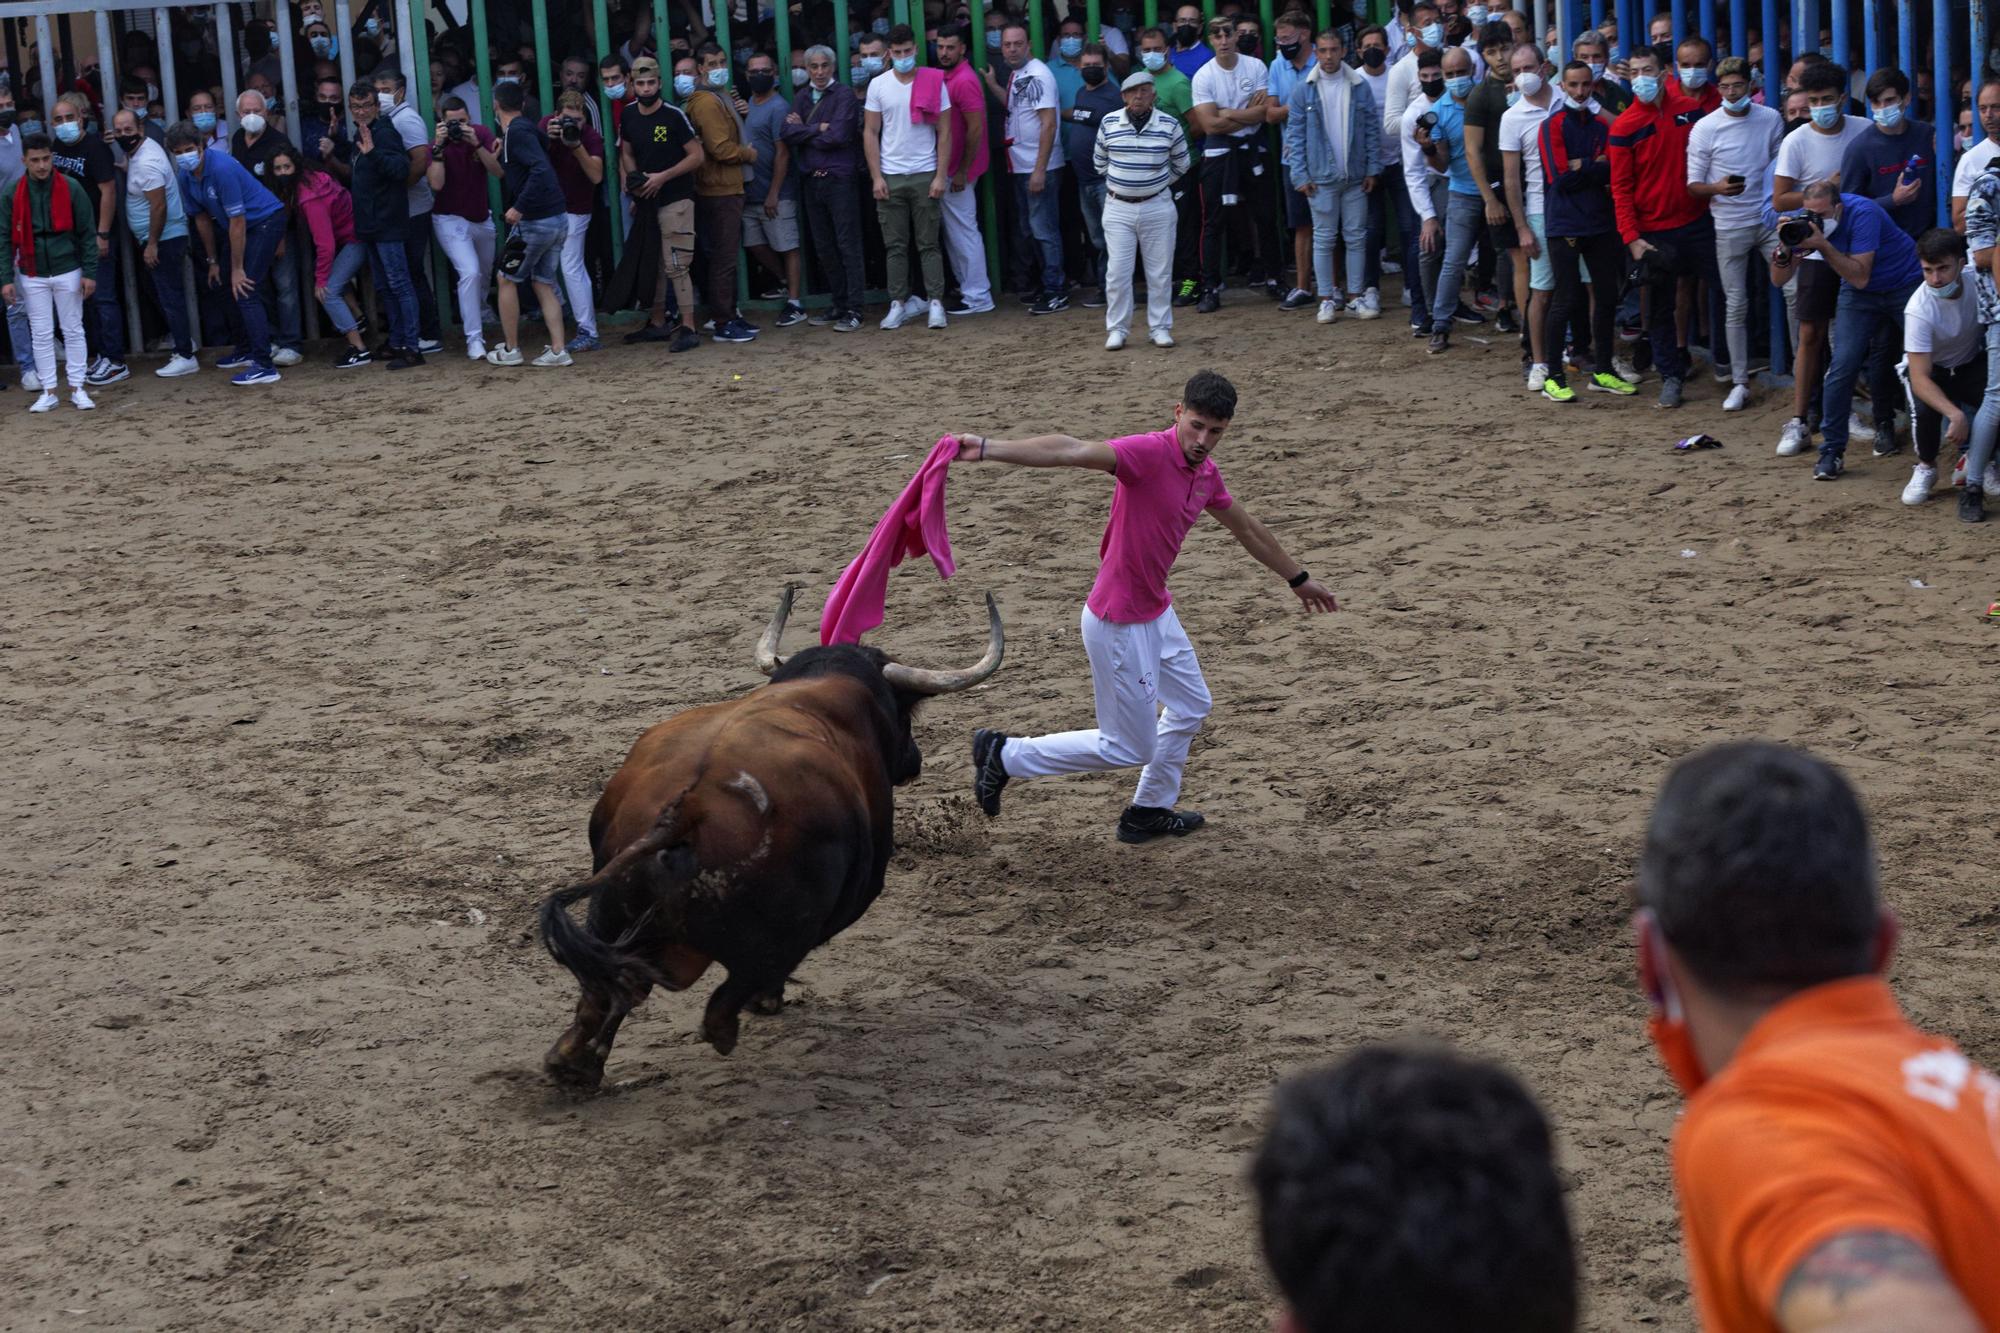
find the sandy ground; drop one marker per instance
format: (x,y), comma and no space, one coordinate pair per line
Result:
(307,706)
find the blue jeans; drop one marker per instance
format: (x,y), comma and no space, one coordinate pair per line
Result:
(1041,222)
(20,337)
(1409,229)
(1339,211)
(170,290)
(248,325)
(389,264)
(1464,223)
(1091,195)
(347,262)
(1986,425)
(104,318)
(1867,338)
(281,296)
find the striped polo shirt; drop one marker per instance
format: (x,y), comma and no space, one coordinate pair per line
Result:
(1138,162)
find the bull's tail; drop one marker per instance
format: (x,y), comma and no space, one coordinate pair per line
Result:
(608,969)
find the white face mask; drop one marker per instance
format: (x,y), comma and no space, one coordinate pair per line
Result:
(253,124)
(387,101)
(1529,83)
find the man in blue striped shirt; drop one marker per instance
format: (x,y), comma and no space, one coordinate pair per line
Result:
(1140,153)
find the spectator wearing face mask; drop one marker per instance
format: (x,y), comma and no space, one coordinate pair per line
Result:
(616,81)
(87,159)
(253,145)
(1331,147)
(1877,162)
(823,132)
(1944,368)
(201,113)
(1230,94)
(1288,69)
(513,69)
(1979,156)
(19,336)
(577,153)
(1190,52)
(158,222)
(906,131)
(1426,34)
(461,217)
(323,135)
(1098,98)
(321,41)
(1594,50)
(134,96)
(1426,189)
(727,162)
(1580,225)
(390,95)
(217,193)
(960,205)
(1064,53)
(1732,153)
(537,229)
(1035,158)
(49,265)
(1173,95)
(771,210)
(1692,74)
(326,213)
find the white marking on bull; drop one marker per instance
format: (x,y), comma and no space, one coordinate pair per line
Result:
(752,788)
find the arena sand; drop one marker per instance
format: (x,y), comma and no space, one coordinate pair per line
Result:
(309,690)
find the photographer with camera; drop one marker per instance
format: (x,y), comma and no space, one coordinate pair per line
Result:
(1876,266)
(1424,188)
(461,164)
(577,152)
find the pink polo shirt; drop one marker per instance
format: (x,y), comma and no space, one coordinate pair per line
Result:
(968,151)
(1158,499)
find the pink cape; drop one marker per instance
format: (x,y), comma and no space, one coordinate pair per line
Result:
(914,525)
(925,95)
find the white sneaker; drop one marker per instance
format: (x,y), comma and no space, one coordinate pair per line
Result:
(1738,399)
(551,358)
(475,351)
(46,403)
(1368,305)
(1409,297)
(285,356)
(938,320)
(178,365)
(1795,440)
(80,400)
(898,312)
(914,307)
(1329,310)
(1116,342)
(1922,478)
(1990,481)
(1538,375)
(1625,369)
(1161,338)
(30,382)
(503,355)
(1860,431)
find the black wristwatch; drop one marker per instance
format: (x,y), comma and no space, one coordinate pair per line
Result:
(1298,581)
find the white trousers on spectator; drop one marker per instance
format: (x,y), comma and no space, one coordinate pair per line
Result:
(965,246)
(469,247)
(576,278)
(1148,228)
(1150,698)
(49,301)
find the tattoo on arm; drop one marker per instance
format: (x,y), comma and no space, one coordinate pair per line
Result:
(1859,1274)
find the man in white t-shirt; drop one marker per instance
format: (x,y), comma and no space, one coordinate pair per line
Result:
(1731,152)
(1944,358)
(1426,31)
(1230,93)
(1812,153)
(1981,155)
(1521,181)
(1035,161)
(908,149)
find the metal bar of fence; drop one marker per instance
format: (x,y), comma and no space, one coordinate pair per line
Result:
(1739,28)
(1871,37)
(1837,33)
(544,73)
(1679,14)
(601,18)
(170,90)
(289,104)
(1941,81)
(989,212)
(225,43)
(417,32)
(344,17)
(482,59)
(121,255)
(1706,12)
(1906,44)
(1780,340)
(45,54)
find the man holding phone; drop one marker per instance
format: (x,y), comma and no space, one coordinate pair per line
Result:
(1730,155)
(323,139)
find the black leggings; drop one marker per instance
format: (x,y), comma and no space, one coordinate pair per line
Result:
(1606,258)
(1964,385)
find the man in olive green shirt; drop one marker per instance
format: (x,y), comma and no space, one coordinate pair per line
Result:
(52,233)
(1173,94)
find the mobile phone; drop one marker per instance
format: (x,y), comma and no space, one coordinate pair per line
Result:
(1735,180)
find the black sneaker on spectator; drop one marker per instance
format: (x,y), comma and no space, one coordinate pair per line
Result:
(847,323)
(356,356)
(1422,330)
(1187,293)
(1298,298)
(1465,314)
(1050,304)
(1505,322)
(406,360)
(774,294)
(650,333)
(1972,505)
(1210,302)
(1094,299)
(1440,339)
(793,313)
(684,339)
(429,346)
(819,319)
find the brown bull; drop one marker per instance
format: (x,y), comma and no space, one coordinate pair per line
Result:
(744,833)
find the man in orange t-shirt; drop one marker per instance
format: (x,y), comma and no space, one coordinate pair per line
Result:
(1838,1169)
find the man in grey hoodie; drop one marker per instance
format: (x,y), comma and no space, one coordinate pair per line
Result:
(1333,154)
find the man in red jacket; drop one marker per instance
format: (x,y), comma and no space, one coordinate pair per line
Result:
(1667,230)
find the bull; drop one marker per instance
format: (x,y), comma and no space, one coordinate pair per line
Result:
(745,833)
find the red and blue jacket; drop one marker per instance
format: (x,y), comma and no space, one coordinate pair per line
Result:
(1575,203)
(1649,152)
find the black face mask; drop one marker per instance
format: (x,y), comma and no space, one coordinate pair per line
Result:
(1186,33)
(130,142)
(1374,57)
(1290,50)
(761,83)
(647,101)
(1093,74)
(1247,44)
(7,118)
(1432,88)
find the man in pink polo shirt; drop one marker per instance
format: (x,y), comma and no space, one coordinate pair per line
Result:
(1150,694)
(968,163)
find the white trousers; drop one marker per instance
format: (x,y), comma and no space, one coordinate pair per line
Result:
(469,247)
(965,246)
(576,278)
(1150,700)
(50,300)
(1147,228)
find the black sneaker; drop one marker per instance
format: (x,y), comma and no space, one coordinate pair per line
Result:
(1051,303)
(1422,330)
(1143,823)
(409,359)
(1210,302)
(1829,467)
(1972,505)
(1886,443)
(1094,298)
(1187,293)
(1465,314)
(1298,299)
(1270,288)
(793,313)
(989,775)
(1440,339)
(650,333)
(1505,321)
(683,339)
(356,356)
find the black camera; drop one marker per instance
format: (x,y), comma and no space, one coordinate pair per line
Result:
(635,182)
(1428,122)
(572,133)
(454,131)
(1794,230)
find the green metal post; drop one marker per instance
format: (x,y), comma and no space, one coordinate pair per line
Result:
(784,29)
(1035,45)
(989,213)
(419,33)
(544,79)
(1323,15)
(482,58)
(842,70)
(899,12)
(1207,13)
(600,14)
(1152,13)
(915,19)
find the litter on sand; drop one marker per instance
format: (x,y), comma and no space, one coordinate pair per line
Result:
(1694,442)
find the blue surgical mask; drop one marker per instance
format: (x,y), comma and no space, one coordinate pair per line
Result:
(203,121)
(1071,47)
(1888,117)
(69,131)
(1459,86)
(904,64)
(1513,96)
(1154,61)
(1646,87)
(718,78)
(1475,14)
(871,64)
(1736,106)
(372,26)
(1693,77)
(325,47)
(614,91)
(1596,69)
(1432,35)
(799,76)
(187,161)
(880,26)
(1826,117)
(993,39)
(683,85)
(1950,291)
(500,79)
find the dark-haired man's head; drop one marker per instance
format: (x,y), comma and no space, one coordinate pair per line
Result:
(1414,1189)
(1207,406)
(508,100)
(1758,880)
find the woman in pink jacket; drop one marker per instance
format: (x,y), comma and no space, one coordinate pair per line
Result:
(328,211)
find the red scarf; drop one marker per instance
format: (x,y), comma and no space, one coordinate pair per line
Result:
(21,229)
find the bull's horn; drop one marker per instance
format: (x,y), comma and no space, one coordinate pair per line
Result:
(767,647)
(919,681)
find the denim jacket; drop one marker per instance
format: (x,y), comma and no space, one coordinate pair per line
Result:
(1309,154)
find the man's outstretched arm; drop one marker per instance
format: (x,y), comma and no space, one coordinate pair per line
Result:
(1040,451)
(1259,542)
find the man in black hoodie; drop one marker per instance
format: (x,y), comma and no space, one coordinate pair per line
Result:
(381,171)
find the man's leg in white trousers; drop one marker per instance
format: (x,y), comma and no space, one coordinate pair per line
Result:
(470,265)
(576,278)
(1124,667)
(1184,702)
(38,295)
(968,251)
(68,293)
(1158,221)
(1121,238)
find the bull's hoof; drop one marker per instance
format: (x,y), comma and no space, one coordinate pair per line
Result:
(768,1004)
(720,1032)
(574,1065)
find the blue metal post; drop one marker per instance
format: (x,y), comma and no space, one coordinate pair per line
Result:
(1707,12)
(1940,82)
(1680,14)
(1906,45)
(1596,18)
(1739,29)
(1838,33)
(1805,27)
(1871,41)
